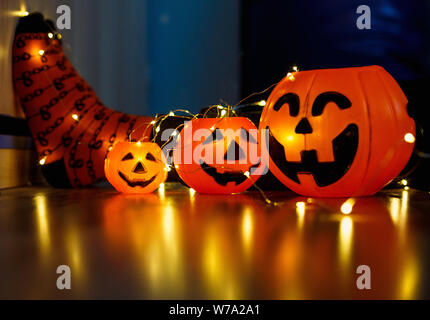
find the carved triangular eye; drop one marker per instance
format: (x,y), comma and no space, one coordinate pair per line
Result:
(247,136)
(128,156)
(150,157)
(216,135)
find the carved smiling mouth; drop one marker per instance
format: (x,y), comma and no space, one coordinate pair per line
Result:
(324,173)
(223,178)
(138,183)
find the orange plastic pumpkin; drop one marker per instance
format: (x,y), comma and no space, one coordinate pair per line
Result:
(338,132)
(215,155)
(135,167)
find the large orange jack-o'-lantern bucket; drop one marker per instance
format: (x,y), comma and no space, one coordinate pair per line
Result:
(338,132)
(219,155)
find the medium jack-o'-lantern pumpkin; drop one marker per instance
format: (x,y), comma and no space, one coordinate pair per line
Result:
(218,155)
(337,132)
(135,167)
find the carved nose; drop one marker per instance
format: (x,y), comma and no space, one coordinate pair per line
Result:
(304,127)
(234,152)
(139,168)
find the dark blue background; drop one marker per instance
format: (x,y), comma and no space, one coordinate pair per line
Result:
(323,34)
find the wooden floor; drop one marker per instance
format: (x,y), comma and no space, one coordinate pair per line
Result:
(178,245)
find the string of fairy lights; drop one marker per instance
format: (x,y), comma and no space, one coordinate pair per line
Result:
(156,123)
(222,112)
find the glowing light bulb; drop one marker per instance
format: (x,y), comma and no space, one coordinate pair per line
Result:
(295,69)
(347,206)
(171,113)
(139,143)
(152,122)
(406,188)
(246,174)
(41,52)
(212,128)
(167,168)
(174,133)
(157,129)
(75,117)
(59,36)
(223,112)
(404,182)
(42,161)
(21,13)
(409,138)
(176,166)
(192,192)
(50,35)
(262,103)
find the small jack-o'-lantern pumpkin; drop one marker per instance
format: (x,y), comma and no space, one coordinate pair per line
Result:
(218,155)
(338,132)
(135,167)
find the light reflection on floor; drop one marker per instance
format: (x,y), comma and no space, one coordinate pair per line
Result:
(180,244)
